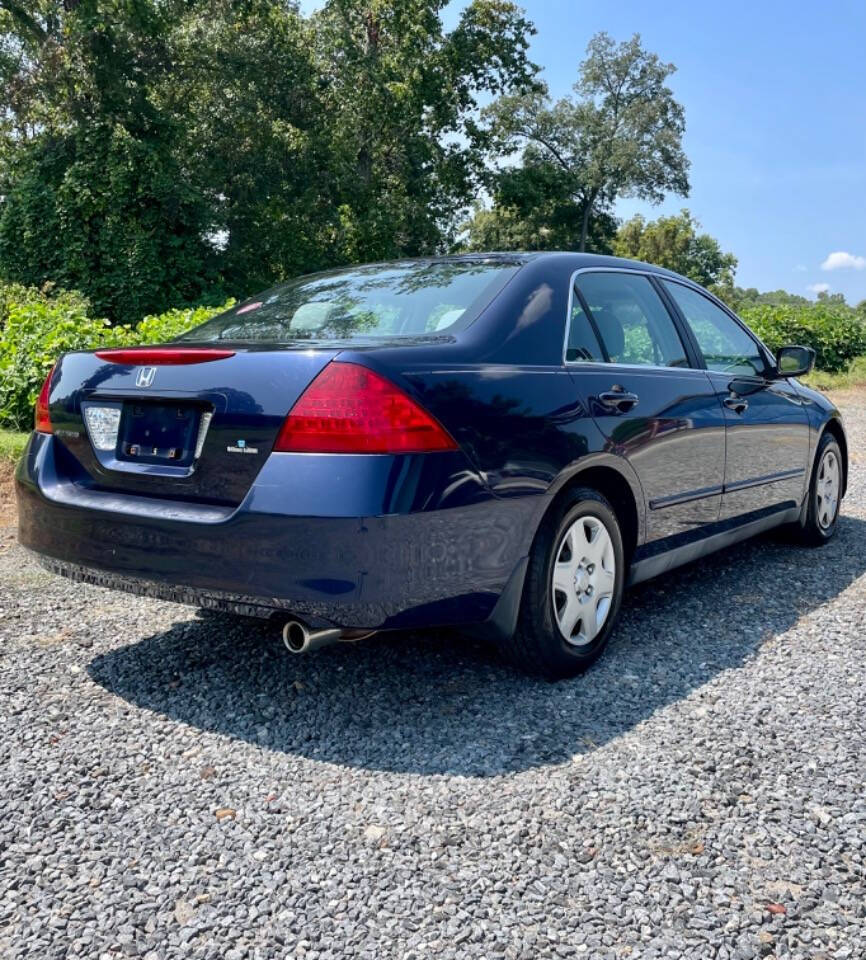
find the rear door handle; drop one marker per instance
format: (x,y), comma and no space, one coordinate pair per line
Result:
(619,399)
(737,404)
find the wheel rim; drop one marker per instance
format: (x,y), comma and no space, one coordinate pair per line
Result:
(582,581)
(827,489)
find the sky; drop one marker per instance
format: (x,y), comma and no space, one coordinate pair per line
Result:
(775,101)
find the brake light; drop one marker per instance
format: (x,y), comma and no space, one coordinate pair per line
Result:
(163,356)
(43,417)
(350,409)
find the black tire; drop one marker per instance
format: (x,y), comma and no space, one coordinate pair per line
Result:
(811,531)
(538,646)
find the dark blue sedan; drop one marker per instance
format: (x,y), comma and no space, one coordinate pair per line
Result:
(502,442)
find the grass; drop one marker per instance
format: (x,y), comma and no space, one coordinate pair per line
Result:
(12,444)
(854,376)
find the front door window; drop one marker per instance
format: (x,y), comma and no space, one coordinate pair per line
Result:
(725,345)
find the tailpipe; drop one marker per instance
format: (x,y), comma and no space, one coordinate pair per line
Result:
(299,638)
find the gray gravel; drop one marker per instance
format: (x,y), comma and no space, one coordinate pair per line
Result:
(179,787)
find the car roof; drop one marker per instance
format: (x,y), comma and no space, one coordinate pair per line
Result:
(575,260)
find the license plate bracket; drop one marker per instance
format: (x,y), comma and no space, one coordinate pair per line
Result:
(163,433)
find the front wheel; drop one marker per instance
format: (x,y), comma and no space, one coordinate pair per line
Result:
(825,491)
(573,588)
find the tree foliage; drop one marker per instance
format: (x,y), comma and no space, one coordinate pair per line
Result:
(534,209)
(675,243)
(619,135)
(96,191)
(739,298)
(402,95)
(152,150)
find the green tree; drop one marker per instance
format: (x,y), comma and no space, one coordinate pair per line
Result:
(739,298)
(95,193)
(824,296)
(246,92)
(401,95)
(533,209)
(619,135)
(151,148)
(675,243)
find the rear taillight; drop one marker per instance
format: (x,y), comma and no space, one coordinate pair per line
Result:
(163,356)
(43,417)
(350,409)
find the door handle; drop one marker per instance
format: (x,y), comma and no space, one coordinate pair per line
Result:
(619,400)
(737,404)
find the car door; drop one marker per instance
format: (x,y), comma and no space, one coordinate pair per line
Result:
(767,435)
(632,365)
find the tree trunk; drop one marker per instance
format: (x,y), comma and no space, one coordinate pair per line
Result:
(584,226)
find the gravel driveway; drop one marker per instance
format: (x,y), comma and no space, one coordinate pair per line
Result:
(180,787)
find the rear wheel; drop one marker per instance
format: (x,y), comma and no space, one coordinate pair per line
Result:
(573,588)
(825,491)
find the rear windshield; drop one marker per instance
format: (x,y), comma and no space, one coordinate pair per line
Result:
(406,299)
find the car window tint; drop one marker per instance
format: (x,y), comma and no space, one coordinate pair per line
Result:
(582,342)
(405,299)
(725,345)
(631,319)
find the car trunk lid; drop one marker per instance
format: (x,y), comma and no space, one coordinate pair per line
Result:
(190,423)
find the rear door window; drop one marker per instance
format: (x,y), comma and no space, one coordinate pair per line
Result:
(582,340)
(632,322)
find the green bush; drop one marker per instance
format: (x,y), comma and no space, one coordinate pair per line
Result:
(35,332)
(835,331)
(37,326)
(167,326)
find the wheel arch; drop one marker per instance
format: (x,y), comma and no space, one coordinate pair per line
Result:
(616,481)
(609,475)
(834,427)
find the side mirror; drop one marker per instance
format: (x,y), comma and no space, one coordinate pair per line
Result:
(794,361)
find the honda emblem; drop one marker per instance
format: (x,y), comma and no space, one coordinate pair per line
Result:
(144,377)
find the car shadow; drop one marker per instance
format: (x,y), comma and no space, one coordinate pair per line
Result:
(446,704)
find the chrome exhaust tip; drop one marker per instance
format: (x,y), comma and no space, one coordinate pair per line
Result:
(299,638)
(296,636)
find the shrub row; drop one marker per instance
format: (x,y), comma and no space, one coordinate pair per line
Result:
(36,326)
(835,331)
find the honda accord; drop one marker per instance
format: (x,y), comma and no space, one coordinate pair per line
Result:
(503,442)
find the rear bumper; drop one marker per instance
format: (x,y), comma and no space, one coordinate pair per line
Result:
(403,570)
